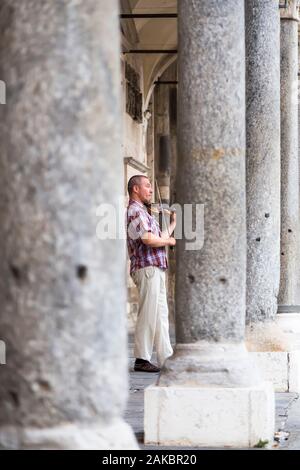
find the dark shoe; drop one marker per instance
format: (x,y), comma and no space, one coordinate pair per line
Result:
(145,366)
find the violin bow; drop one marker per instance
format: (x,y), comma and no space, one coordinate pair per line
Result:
(160,202)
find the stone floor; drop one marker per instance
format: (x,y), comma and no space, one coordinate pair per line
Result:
(287,434)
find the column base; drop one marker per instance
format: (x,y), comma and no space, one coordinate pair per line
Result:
(116,435)
(290,325)
(209,416)
(281,368)
(288,309)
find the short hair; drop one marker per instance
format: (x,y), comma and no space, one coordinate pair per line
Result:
(134,181)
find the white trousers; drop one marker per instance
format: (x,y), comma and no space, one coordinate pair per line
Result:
(152,327)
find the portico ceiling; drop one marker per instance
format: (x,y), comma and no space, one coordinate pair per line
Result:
(149,34)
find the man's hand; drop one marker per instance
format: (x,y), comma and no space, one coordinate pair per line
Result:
(173,218)
(168,232)
(172,241)
(157,242)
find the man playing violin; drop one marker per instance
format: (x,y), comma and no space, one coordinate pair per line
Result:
(148,264)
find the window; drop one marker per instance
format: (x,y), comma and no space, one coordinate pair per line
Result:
(134,97)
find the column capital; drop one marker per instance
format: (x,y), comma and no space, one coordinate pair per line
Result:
(289,9)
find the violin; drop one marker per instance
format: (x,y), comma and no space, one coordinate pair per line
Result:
(159,210)
(162,210)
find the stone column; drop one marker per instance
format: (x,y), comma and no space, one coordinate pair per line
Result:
(207,388)
(173,199)
(289,160)
(263,171)
(298,288)
(62,291)
(163,156)
(150,143)
(266,339)
(173,135)
(288,300)
(162,142)
(165,161)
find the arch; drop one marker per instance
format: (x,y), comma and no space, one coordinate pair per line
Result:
(160,68)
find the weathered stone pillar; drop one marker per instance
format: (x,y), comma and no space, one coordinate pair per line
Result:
(165,161)
(286,371)
(173,172)
(206,390)
(62,291)
(267,341)
(162,141)
(298,288)
(262,158)
(163,157)
(289,159)
(289,320)
(263,171)
(173,135)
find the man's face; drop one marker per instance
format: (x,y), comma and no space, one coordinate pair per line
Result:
(144,191)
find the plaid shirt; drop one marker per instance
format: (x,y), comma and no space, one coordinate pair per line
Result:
(141,255)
